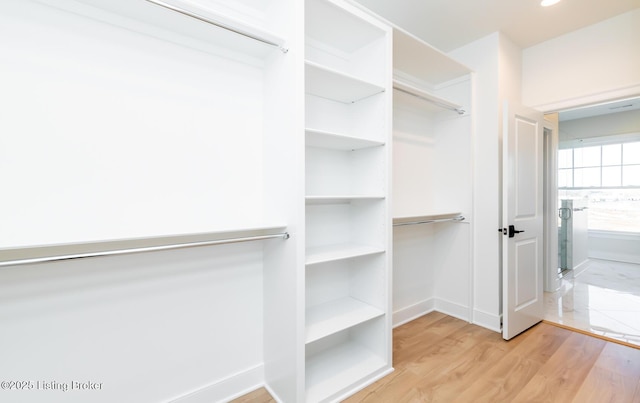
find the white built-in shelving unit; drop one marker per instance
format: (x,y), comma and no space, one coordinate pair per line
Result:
(348,94)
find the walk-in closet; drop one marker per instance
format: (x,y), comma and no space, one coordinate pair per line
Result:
(206,197)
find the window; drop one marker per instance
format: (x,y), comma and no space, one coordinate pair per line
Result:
(608,176)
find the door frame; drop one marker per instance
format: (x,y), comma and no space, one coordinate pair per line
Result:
(551,279)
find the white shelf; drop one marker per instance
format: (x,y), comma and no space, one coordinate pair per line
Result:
(330,253)
(337,141)
(332,317)
(412,94)
(419,59)
(331,84)
(338,368)
(337,28)
(340,199)
(176,26)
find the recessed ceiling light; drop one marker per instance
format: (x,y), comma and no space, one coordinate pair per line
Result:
(547,3)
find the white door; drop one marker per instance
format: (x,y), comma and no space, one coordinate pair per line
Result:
(522,219)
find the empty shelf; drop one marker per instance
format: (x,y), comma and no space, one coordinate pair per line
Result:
(326,319)
(338,368)
(339,199)
(332,253)
(337,141)
(331,84)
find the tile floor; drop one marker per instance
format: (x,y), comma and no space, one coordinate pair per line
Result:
(603,299)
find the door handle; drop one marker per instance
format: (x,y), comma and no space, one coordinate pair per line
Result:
(513,231)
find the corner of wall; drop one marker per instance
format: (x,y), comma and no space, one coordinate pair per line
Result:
(483,56)
(510,69)
(227,389)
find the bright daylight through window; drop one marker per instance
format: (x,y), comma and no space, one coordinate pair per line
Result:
(608,177)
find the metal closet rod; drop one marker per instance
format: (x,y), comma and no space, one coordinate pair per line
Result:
(217,24)
(46,259)
(459,218)
(433,101)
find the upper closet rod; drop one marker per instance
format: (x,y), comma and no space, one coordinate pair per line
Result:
(433,101)
(218,24)
(459,218)
(284,235)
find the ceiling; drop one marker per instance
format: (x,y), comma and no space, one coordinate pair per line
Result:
(449,24)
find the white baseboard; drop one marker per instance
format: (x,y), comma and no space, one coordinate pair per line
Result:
(487,320)
(381,374)
(407,314)
(480,318)
(616,257)
(228,388)
(452,309)
(581,267)
(273,394)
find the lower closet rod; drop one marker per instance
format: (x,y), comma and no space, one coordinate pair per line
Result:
(460,218)
(284,235)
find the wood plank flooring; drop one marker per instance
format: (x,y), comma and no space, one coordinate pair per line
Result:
(438,358)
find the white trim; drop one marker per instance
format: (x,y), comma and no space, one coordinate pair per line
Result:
(581,267)
(363,385)
(619,235)
(273,394)
(453,309)
(550,227)
(590,99)
(614,245)
(412,312)
(615,257)
(486,320)
(228,388)
(600,140)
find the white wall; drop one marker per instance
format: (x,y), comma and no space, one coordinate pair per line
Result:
(613,124)
(618,246)
(413,272)
(592,64)
(148,327)
(116,133)
(497,64)
(484,58)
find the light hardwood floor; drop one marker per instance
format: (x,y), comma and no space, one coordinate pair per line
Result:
(438,358)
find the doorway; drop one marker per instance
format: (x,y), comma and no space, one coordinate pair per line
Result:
(595,285)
